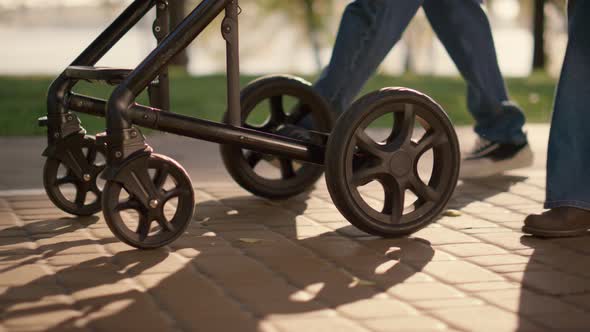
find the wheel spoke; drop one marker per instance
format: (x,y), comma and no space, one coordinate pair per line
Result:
(423,191)
(404,126)
(80,196)
(367,144)
(143,227)
(176,192)
(426,143)
(287,170)
(99,169)
(165,224)
(253,158)
(365,175)
(431,139)
(395,198)
(300,111)
(68,179)
(161,176)
(130,204)
(277,112)
(92,154)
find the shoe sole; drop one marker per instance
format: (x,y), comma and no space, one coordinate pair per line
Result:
(553,234)
(523,159)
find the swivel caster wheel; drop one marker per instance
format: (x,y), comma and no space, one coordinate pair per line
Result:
(277,104)
(150,202)
(399,182)
(71,175)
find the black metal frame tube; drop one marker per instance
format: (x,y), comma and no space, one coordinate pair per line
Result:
(183,125)
(124,95)
(91,55)
(121,110)
(230,32)
(159,89)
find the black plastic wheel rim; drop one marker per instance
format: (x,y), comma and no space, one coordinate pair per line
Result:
(287,100)
(393,163)
(147,227)
(77,201)
(278,122)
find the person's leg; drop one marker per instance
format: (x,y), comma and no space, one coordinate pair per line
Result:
(368,31)
(568,160)
(464,29)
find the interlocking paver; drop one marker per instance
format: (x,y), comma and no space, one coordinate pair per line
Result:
(307,270)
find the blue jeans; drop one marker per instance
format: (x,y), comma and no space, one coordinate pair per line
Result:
(370,28)
(568,160)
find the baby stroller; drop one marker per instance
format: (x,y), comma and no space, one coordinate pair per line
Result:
(143,183)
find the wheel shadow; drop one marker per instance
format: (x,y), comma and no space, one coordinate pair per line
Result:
(244,261)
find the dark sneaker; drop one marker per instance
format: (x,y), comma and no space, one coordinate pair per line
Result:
(558,222)
(490,158)
(290,131)
(294,132)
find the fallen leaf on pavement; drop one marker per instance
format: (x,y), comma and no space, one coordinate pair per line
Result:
(250,240)
(452,213)
(360,282)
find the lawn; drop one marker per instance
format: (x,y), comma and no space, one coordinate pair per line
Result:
(22,99)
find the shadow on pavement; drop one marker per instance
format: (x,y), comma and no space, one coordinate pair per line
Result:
(475,190)
(226,274)
(555,285)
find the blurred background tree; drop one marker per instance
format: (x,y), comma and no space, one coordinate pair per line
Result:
(178,11)
(314,15)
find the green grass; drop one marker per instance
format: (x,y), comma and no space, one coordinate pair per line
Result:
(22,99)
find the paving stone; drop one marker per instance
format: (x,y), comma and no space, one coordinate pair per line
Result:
(424,291)
(440,236)
(496,260)
(406,323)
(551,282)
(317,324)
(488,286)
(457,272)
(526,302)
(566,321)
(523,267)
(376,308)
(472,249)
(24,274)
(29,292)
(428,305)
(8,218)
(580,300)
(311,270)
(488,318)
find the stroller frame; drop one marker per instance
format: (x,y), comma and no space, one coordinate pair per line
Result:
(121,111)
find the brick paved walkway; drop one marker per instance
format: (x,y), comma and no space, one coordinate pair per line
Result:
(247,264)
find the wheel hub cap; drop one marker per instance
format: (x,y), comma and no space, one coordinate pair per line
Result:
(154,203)
(400,163)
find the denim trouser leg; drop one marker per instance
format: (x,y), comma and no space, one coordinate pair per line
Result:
(463,28)
(568,160)
(370,28)
(368,31)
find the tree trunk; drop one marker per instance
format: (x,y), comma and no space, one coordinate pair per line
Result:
(177,14)
(313,33)
(539,55)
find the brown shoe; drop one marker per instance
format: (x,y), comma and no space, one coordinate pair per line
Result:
(558,222)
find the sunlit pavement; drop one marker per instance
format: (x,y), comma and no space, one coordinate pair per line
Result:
(248,264)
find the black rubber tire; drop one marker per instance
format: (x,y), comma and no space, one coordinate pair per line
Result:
(50,172)
(180,221)
(336,152)
(233,158)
